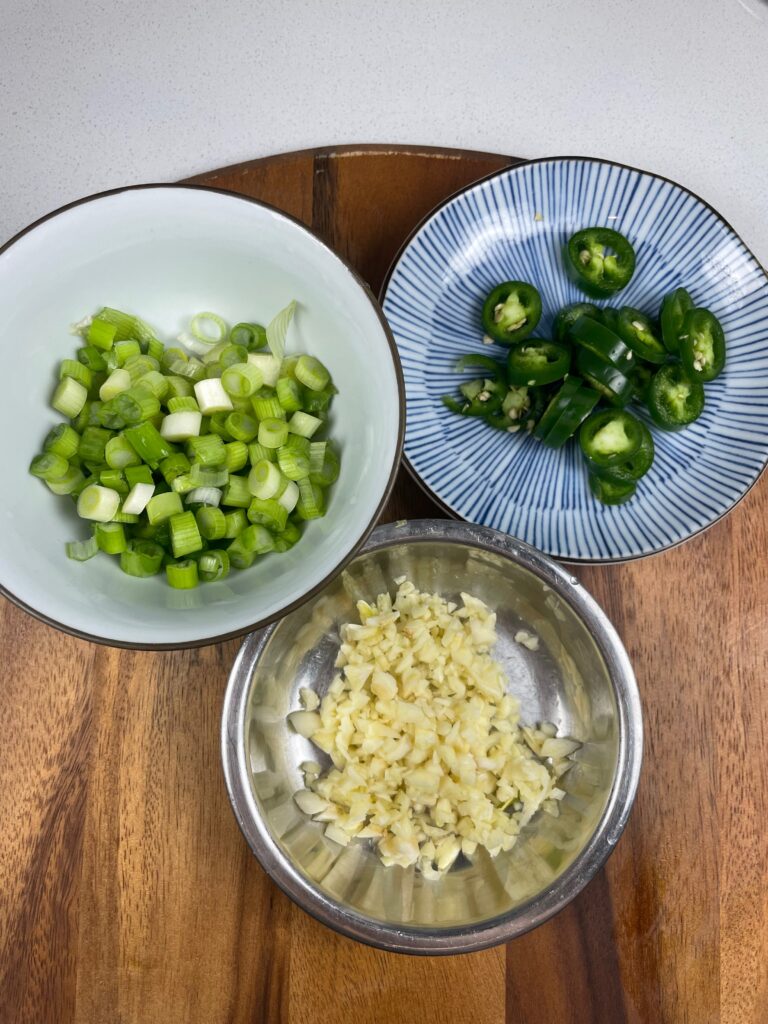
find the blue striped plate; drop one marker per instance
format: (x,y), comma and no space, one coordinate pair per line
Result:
(513,226)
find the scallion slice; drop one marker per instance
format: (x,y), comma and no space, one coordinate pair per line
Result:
(77,371)
(242,427)
(161,507)
(110,537)
(119,454)
(155,382)
(277,330)
(72,482)
(290,496)
(236,493)
(185,536)
(142,558)
(117,382)
(127,326)
(179,387)
(268,366)
(311,504)
(180,426)
(69,397)
(312,374)
(236,522)
(295,465)
(138,499)
(288,394)
(182,575)
(208,450)
(175,465)
(267,407)
(213,565)
(303,424)
(204,496)
(211,522)
(101,333)
(268,512)
(250,336)
(98,504)
(82,550)
(257,452)
(236,456)
(211,397)
(49,466)
(91,357)
(208,476)
(265,480)
(125,349)
(241,380)
(185,404)
(208,328)
(148,443)
(93,444)
(138,474)
(273,433)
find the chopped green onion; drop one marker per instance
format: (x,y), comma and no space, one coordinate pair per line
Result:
(267,407)
(250,336)
(295,465)
(257,452)
(324,463)
(161,507)
(98,503)
(114,479)
(136,405)
(233,355)
(125,349)
(288,394)
(303,424)
(211,397)
(183,484)
(179,387)
(175,465)
(318,401)
(72,482)
(91,357)
(242,427)
(208,476)
(142,558)
(93,443)
(77,371)
(110,537)
(236,456)
(185,536)
(82,550)
(138,474)
(124,517)
(62,440)
(269,367)
(240,556)
(213,565)
(265,480)
(217,424)
(268,512)
(236,523)
(127,326)
(94,414)
(172,355)
(192,370)
(155,348)
(273,433)
(108,414)
(182,575)
(208,328)
(311,504)
(277,330)
(117,382)
(49,466)
(148,443)
(69,397)
(138,366)
(211,522)
(155,382)
(297,443)
(312,374)
(204,496)
(241,380)
(119,454)
(186,404)
(208,450)
(138,499)
(213,370)
(237,493)
(258,539)
(290,496)
(180,426)
(101,333)
(287,537)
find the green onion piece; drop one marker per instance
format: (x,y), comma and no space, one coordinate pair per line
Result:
(250,336)
(62,440)
(183,484)
(235,456)
(217,424)
(94,414)
(295,465)
(101,333)
(136,405)
(110,537)
(125,349)
(277,330)
(242,427)
(49,466)
(208,476)
(182,575)
(233,355)
(316,402)
(303,424)
(297,443)
(185,536)
(213,370)
(213,565)
(273,433)
(179,387)
(91,357)
(155,348)
(258,539)
(324,463)
(208,450)
(265,480)
(72,482)
(211,397)
(93,443)
(204,496)
(236,493)
(192,370)
(69,397)
(186,404)
(108,414)
(175,465)
(147,442)
(142,558)
(236,523)
(290,496)
(208,328)
(82,550)
(267,407)
(212,354)
(162,506)
(117,382)
(155,382)
(172,355)
(138,474)
(268,512)
(137,499)
(288,367)
(114,479)
(241,380)
(127,326)
(76,370)
(311,504)
(288,394)
(124,517)
(119,454)
(239,556)
(139,366)
(312,374)
(287,537)
(181,426)
(257,452)
(271,368)
(211,522)
(98,503)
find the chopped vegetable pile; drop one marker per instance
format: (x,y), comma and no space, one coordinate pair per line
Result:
(429,758)
(598,355)
(192,461)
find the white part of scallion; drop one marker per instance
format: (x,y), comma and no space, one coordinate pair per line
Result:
(277,330)
(180,426)
(117,382)
(211,397)
(138,498)
(194,345)
(69,397)
(204,496)
(268,365)
(264,480)
(290,496)
(303,424)
(98,503)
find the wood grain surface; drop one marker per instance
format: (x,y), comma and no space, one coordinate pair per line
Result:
(128,896)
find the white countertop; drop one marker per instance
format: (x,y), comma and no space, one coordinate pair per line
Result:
(114,92)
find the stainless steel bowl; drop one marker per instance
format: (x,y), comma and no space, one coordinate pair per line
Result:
(580,678)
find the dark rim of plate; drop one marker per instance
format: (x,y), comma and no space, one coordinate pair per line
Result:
(220,638)
(516,164)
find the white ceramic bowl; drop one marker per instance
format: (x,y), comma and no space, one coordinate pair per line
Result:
(164,253)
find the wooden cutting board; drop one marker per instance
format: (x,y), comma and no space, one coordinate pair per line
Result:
(128,895)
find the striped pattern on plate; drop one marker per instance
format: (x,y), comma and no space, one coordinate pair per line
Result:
(513,226)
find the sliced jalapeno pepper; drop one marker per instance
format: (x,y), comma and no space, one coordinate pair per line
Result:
(606,379)
(674,397)
(476,360)
(556,405)
(639,333)
(568,316)
(641,378)
(702,344)
(605,343)
(630,470)
(672,313)
(537,362)
(610,437)
(577,409)
(609,492)
(600,260)
(480,398)
(610,318)
(511,312)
